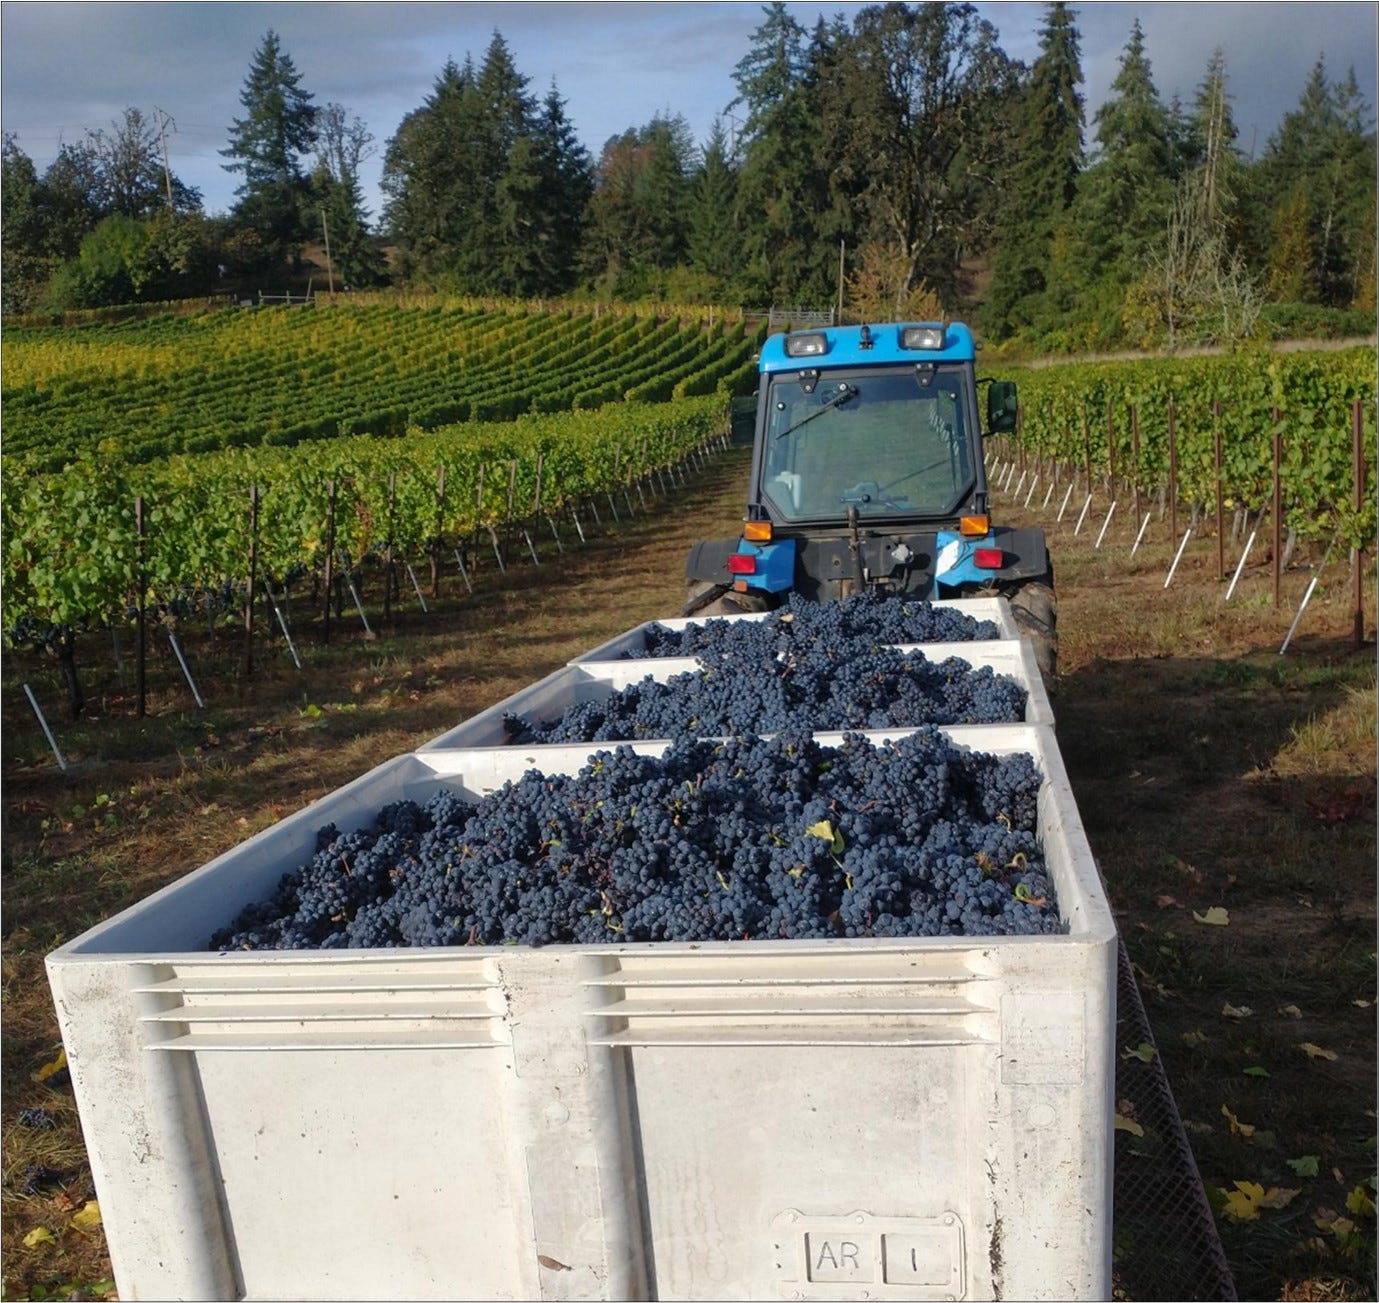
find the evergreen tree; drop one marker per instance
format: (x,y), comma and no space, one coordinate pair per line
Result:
(565,175)
(279,125)
(1324,151)
(1047,120)
(425,173)
(486,189)
(1122,207)
(710,246)
(777,190)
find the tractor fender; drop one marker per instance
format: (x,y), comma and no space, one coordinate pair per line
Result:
(1026,553)
(708,561)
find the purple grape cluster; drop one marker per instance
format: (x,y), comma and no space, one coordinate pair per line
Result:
(739,838)
(864,618)
(821,686)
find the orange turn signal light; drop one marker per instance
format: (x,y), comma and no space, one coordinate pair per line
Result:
(757,531)
(975,526)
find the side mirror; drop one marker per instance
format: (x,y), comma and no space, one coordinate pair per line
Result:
(1002,402)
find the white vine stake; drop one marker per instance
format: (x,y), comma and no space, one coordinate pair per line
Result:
(1078,529)
(186,673)
(1033,485)
(412,575)
(1140,535)
(1302,606)
(1023,476)
(1047,496)
(282,624)
(1178,558)
(1235,578)
(1105,523)
(43,724)
(1066,497)
(531,547)
(1307,596)
(464,574)
(359,606)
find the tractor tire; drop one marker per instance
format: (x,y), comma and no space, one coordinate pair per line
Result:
(704,599)
(1035,610)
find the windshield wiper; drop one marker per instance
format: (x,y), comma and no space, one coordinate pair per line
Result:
(844,393)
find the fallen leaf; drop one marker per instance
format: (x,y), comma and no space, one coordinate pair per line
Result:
(1236,1011)
(1194,1037)
(1290,1011)
(1163,902)
(1359,1202)
(1363,1004)
(39,1235)
(1215,917)
(552,1263)
(1256,1071)
(1307,1165)
(1316,1052)
(1144,1052)
(1128,1124)
(51,1069)
(89,1217)
(1238,1128)
(1244,1202)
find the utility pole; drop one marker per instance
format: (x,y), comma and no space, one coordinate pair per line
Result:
(841,245)
(330,274)
(164,121)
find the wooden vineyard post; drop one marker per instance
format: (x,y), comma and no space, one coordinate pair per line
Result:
(1172,472)
(478,507)
(1357,429)
(253,577)
(1278,507)
(512,497)
(1111,447)
(440,526)
(1135,447)
(1087,449)
(1220,516)
(141,656)
(388,550)
(331,489)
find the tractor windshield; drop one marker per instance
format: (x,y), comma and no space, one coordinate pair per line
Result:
(890,443)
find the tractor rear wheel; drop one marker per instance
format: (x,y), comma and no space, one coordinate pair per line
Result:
(1035,610)
(704,599)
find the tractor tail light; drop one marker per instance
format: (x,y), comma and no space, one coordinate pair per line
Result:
(744,563)
(988,558)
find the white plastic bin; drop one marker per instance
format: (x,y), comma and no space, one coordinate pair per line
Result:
(918,1119)
(581,681)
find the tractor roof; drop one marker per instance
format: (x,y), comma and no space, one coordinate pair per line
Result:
(881,345)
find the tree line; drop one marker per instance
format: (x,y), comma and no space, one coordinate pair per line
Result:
(894,161)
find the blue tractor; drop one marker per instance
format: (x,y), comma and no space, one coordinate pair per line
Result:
(868,475)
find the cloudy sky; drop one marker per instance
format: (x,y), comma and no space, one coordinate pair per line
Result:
(68,67)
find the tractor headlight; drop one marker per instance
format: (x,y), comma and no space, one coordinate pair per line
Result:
(921,337)
(812,344)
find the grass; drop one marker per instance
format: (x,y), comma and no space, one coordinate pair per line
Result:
(1209,771)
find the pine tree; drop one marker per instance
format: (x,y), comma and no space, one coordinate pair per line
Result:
(1324,150)
(1048,121)
(709,245)
(565,185)
(1122,207)
(278,127)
